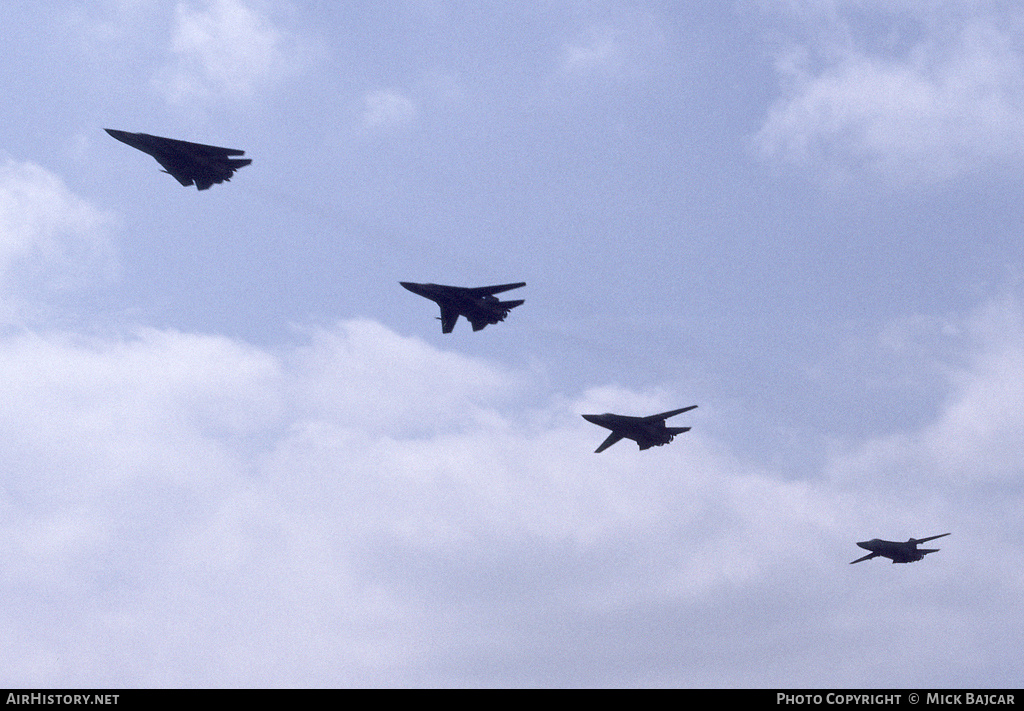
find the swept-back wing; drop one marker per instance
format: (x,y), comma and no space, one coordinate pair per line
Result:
(177,174)
(204,149)
(869,556)
(449,316)
(611,439)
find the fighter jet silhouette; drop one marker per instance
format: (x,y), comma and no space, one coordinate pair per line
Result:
(896,551)
(647,431)
(478,304)
(189,163)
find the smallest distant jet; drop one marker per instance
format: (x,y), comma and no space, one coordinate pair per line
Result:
(896,551)
(647,431)
(189,163)
(478,304)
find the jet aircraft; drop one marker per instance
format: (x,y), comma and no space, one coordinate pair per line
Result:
(479,305)
(647,431)
(897,551)
(189,163)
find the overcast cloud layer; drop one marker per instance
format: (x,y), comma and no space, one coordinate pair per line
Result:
(237,453)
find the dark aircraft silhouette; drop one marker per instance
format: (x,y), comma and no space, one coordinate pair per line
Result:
(188,162)
(896,551)
(647,431)
(479,305)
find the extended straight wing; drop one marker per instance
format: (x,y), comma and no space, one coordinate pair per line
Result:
(671,413)
(479,291)
(930,538)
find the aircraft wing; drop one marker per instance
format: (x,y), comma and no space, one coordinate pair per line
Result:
(869,556)
(201,149)
(202,178)
(175,171)
(448,318)
(485,290)
(670,413)
(612,439)
(930,538)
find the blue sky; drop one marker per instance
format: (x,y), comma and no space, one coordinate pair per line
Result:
(238,453)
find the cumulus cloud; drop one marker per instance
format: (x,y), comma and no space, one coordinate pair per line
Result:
(226,47)
(50,239)
(975,440)
(358,507)
(363,508)
(949,102)
(351,506)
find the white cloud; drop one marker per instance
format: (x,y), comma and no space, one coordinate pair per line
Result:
(50,239)
(621,46)
(226,47)
(363,508)
(334,506)
(601,50)
(386,108)
(951,103)
(975,440)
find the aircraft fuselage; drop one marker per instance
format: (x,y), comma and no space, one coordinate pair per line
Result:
(647,432)
(897,551)
(478,305)
(190,163)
